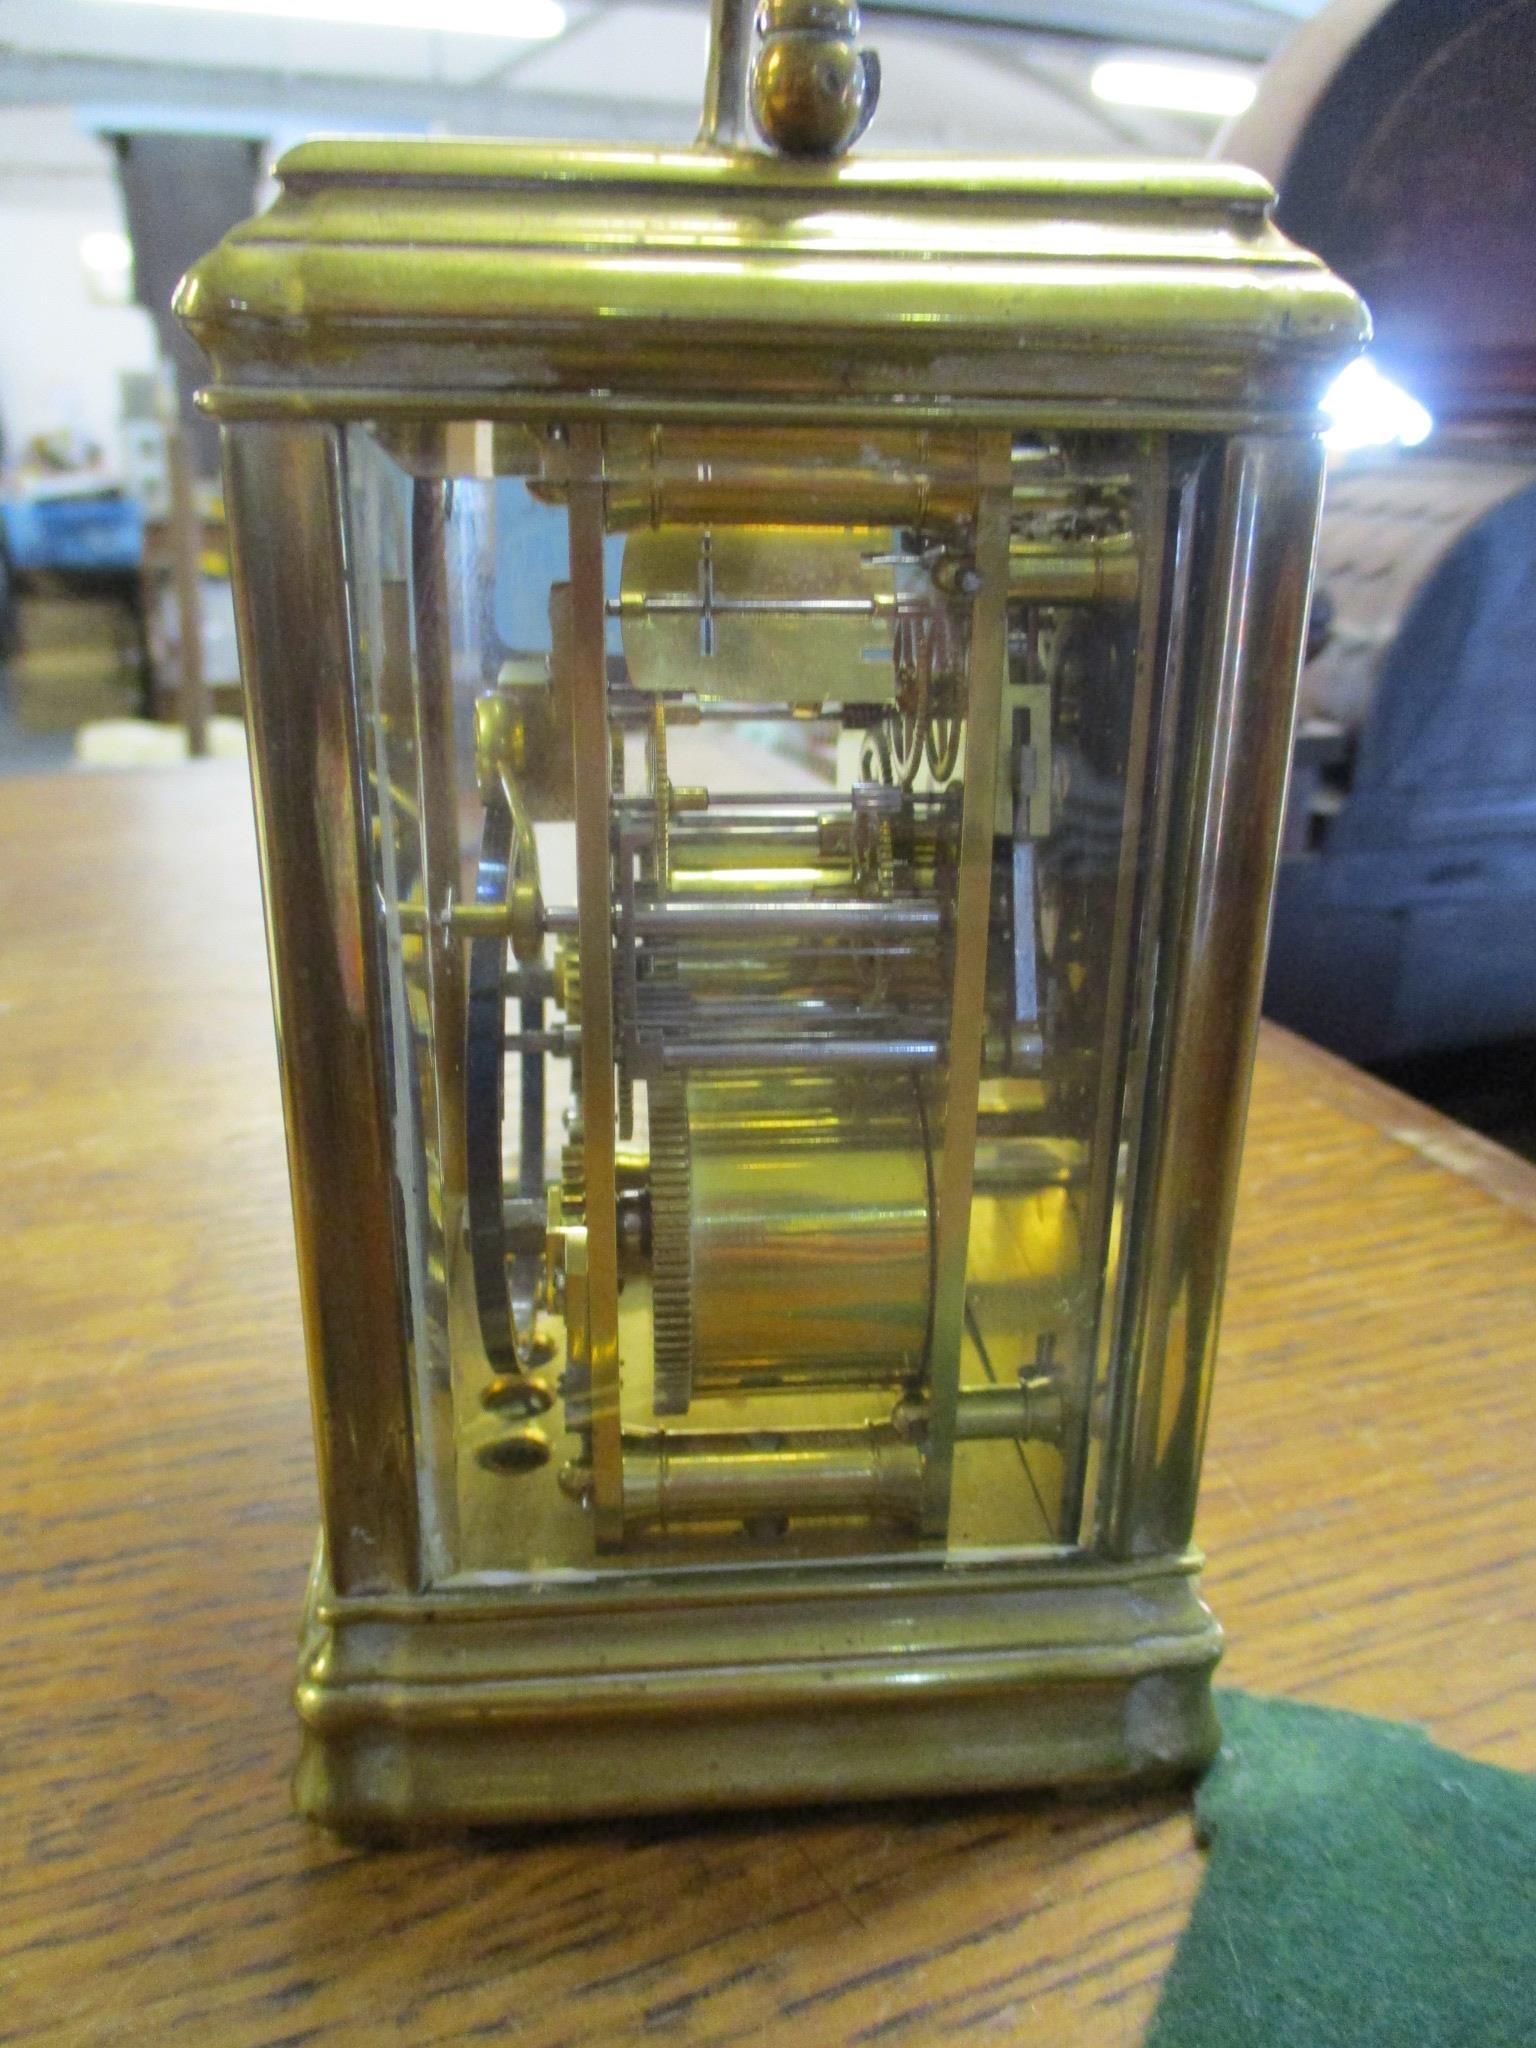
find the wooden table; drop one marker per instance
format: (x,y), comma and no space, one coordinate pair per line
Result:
(1366,1507)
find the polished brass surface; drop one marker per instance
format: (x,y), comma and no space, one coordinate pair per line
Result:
(813,90)
(485,1706)
(499,743)
(1094,571)
(922,765)
(829,476)
(679,1476)
(784,615)
(598,1112)
(308,775)
(500,756)
(811,1174)
(1030,1408)
(987,672)
(493,281)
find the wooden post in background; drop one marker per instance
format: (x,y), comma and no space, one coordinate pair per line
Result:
(186,554)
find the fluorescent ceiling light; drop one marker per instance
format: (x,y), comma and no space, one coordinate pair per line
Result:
(106,250)
(1367,410)
(522,21)
(108,260)
(1173,88)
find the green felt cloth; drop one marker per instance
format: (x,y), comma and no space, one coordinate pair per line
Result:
(1365,1890)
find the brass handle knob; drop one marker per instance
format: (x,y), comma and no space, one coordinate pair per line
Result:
(813,90)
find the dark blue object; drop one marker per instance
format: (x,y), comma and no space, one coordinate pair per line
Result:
(100,534)
(1405,914)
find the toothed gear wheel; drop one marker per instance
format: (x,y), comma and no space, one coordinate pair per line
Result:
(568,985)
(573,1178)
(885,861)
(573,1154)
(661,797)
(671,1254)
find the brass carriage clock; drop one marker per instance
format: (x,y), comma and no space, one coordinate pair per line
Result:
(770,684)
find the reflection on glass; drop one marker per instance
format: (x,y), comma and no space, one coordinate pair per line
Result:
(732,682)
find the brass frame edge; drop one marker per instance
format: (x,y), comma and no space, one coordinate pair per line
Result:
(594,893)
(233,402)
(406,1737)
(986,686)
(673,1591)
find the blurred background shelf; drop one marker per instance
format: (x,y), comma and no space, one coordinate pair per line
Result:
(1398,133)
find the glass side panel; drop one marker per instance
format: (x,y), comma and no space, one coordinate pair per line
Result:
(761,842)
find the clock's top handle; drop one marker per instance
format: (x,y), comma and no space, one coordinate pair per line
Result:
(811,89)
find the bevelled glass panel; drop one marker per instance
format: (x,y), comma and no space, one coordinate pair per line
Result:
(765,836)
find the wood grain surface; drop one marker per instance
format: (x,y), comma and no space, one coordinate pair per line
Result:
(1366,1509)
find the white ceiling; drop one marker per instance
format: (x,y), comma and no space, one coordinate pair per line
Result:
(639,51)
(624,69)
(103,30)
